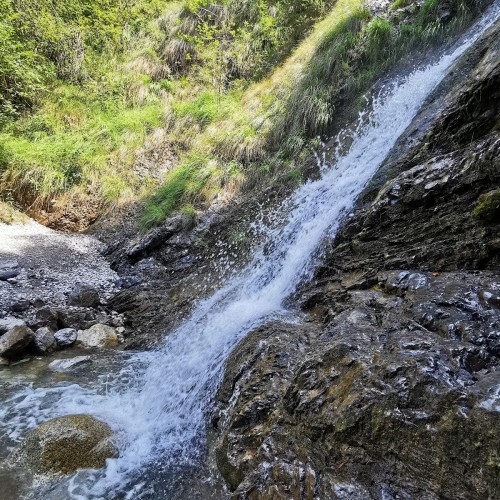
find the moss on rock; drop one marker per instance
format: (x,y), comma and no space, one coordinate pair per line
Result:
(64,444)
(488,206)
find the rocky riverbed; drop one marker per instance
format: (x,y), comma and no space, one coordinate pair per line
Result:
(54,291)
(386,384)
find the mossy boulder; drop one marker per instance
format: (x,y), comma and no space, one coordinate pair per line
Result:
(64,444)
(488,207)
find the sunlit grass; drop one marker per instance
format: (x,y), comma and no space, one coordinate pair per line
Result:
(259,123)
(75,140)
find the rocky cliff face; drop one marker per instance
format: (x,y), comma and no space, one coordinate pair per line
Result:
(390,388)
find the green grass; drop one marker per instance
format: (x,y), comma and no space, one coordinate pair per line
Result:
(186,180)
(73,110)
(75,141)
(241,90)
(207,107)
(271,128)
(398,4)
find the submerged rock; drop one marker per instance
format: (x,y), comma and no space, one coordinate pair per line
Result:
(64,444)
(15,341)
(98,336)
(66,365)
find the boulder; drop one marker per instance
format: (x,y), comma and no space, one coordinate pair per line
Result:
(98,336)
(15,341)
(77,318)
(7,274)
(45,341)
(65,444)
(84,296)
(8,323)
(20,304)
(154,239)
(65,337)
(47,316)
(126,300)
(8,264)
(66,365)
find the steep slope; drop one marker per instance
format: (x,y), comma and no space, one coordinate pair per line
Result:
(177,105)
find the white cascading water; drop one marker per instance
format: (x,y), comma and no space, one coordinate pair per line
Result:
(158,404)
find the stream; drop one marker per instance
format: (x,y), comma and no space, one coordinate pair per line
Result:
(158,402)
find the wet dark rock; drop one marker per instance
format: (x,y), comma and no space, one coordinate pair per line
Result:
(65,337)
(147,264)
(110,248)
(154,239)
(84,296)
(391,388)
(45,342)
(15,342)
(125,300)
(452,164)
(127,282)
(363,395)
(64,444)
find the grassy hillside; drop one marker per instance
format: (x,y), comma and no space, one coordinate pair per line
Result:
(233,91)
(68,115)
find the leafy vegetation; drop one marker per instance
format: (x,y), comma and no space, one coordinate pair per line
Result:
(488,206)
(69,115)
(273,125)
(239,89)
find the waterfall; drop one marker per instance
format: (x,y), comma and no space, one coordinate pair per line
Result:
(159,401)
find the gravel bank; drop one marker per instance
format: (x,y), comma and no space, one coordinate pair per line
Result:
(49,264)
